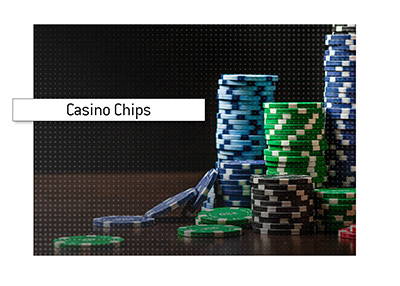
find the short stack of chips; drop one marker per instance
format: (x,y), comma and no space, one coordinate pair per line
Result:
(227,216)
(233,188)
(240,134)
(340,105)
(296,140)
(336,208)
(282,204)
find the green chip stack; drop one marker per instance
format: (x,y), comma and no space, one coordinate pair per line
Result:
(296,142)
(336,208)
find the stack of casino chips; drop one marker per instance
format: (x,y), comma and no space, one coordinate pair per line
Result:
(340,105)
(336,208)
(296,140)
(282,204)
(240,134)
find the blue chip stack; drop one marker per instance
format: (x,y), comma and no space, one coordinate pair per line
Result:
(340,105)
(240,133)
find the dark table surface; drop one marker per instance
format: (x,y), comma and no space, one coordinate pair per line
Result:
(65,205)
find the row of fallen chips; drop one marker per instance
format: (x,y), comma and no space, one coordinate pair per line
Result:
(283,204)
(336,208)
(192,199)
(340,105)
(295,135)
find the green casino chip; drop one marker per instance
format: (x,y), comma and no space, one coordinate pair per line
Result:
(297,148)
(293,110)
(322,142)
(320,179)
(293,105)
(294,116)
(228,216)
(295,137)
(336,193)
(88,241)
(294,121)
(323,168)
(210,231)
(303,165)
(294,158)
(332,201)
(268,152)
(294,132)
(294,126)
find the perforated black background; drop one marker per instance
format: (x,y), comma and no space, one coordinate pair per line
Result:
(160,61)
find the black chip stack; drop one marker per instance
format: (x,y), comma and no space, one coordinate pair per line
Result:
(340,105)
(282,204)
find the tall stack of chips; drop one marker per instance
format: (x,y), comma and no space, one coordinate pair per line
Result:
(296,140)
(282,204)
(240,135)
(340,105)
(336,208)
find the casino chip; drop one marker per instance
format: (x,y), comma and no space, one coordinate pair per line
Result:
(127,221)
(282,204)
(226,216)
(172,203)
(340,102)
(203,231)
(335,207)
(87,242)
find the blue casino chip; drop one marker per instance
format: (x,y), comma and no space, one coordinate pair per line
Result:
(236,193)
(240,132)
(345,137)
(239,153)
(341,89)
(338,100)
(245,165)
(340,63)
(239,127)
(236,204)
(339,68)
(240,122)
(245,83)
(172,203)
(341,116)
(239,117)
(339,79)
(236,198)
(340,42)
(340,73)
(340,111)
(235,188)
(240,137)
(340,84)
(241,142)
(233,182)
(240,103)
(248,88)
(340,95)
(245,92)
(249,77)
(246,157)
(203,188)
(242,112)
(234,176)
(126,221)
(340,37)
(240,148)
(340,58)
(339,105)
(242,171)
(339,53)
(341,126)
(239,107)
(251,98)
(340,121)
(343,48)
